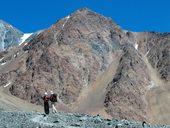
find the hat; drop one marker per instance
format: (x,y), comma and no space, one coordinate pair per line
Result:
(46,93)
(52,92)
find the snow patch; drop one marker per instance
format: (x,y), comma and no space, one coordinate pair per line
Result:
(66,20)
(147,52)
(3,63)
(136,46)
(7,85)
(68,17)
(1,58)
(24,37)
(15,56)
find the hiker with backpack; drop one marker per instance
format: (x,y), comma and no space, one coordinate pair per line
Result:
(53,99)
(46,103)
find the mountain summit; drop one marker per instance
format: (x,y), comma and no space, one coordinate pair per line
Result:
(95,67)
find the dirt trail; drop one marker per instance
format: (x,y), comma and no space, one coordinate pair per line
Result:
(158,97)
(92,97)
(12,103)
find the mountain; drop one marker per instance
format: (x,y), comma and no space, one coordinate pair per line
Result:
(95,67)
(9,36)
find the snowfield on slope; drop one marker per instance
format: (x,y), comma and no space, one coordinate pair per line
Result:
(24,37)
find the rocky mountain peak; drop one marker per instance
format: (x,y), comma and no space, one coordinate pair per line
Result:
(85,10)
(85,17)
(77,27)
(9,36)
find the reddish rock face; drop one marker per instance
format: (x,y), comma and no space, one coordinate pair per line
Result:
(73,53)
(66,57)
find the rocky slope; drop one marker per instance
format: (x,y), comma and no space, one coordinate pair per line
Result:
(65,120)
(95,67)
(63,61)
(140,73)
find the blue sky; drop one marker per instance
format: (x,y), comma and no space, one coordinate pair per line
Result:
(134,15)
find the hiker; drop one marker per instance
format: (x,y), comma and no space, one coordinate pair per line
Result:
(53,99)
(46,103)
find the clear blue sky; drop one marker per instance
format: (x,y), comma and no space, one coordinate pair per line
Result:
(134,15)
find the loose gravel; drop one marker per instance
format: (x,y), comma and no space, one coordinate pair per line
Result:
(65,120)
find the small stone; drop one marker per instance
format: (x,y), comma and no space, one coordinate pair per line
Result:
(83,118)
(76,124)
(56,121)
(98,120)
(108,119)
(108,123)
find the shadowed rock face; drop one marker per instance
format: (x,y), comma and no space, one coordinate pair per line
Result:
(70,55)
(126,92)
(159,56)
(133,81)
(9,36)
(156,47)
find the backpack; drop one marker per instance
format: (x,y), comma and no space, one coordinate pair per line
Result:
(53,98)
(46,98)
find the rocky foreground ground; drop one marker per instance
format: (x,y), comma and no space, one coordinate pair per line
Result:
(65,120)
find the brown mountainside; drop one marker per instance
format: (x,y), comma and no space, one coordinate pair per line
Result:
(95,67)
